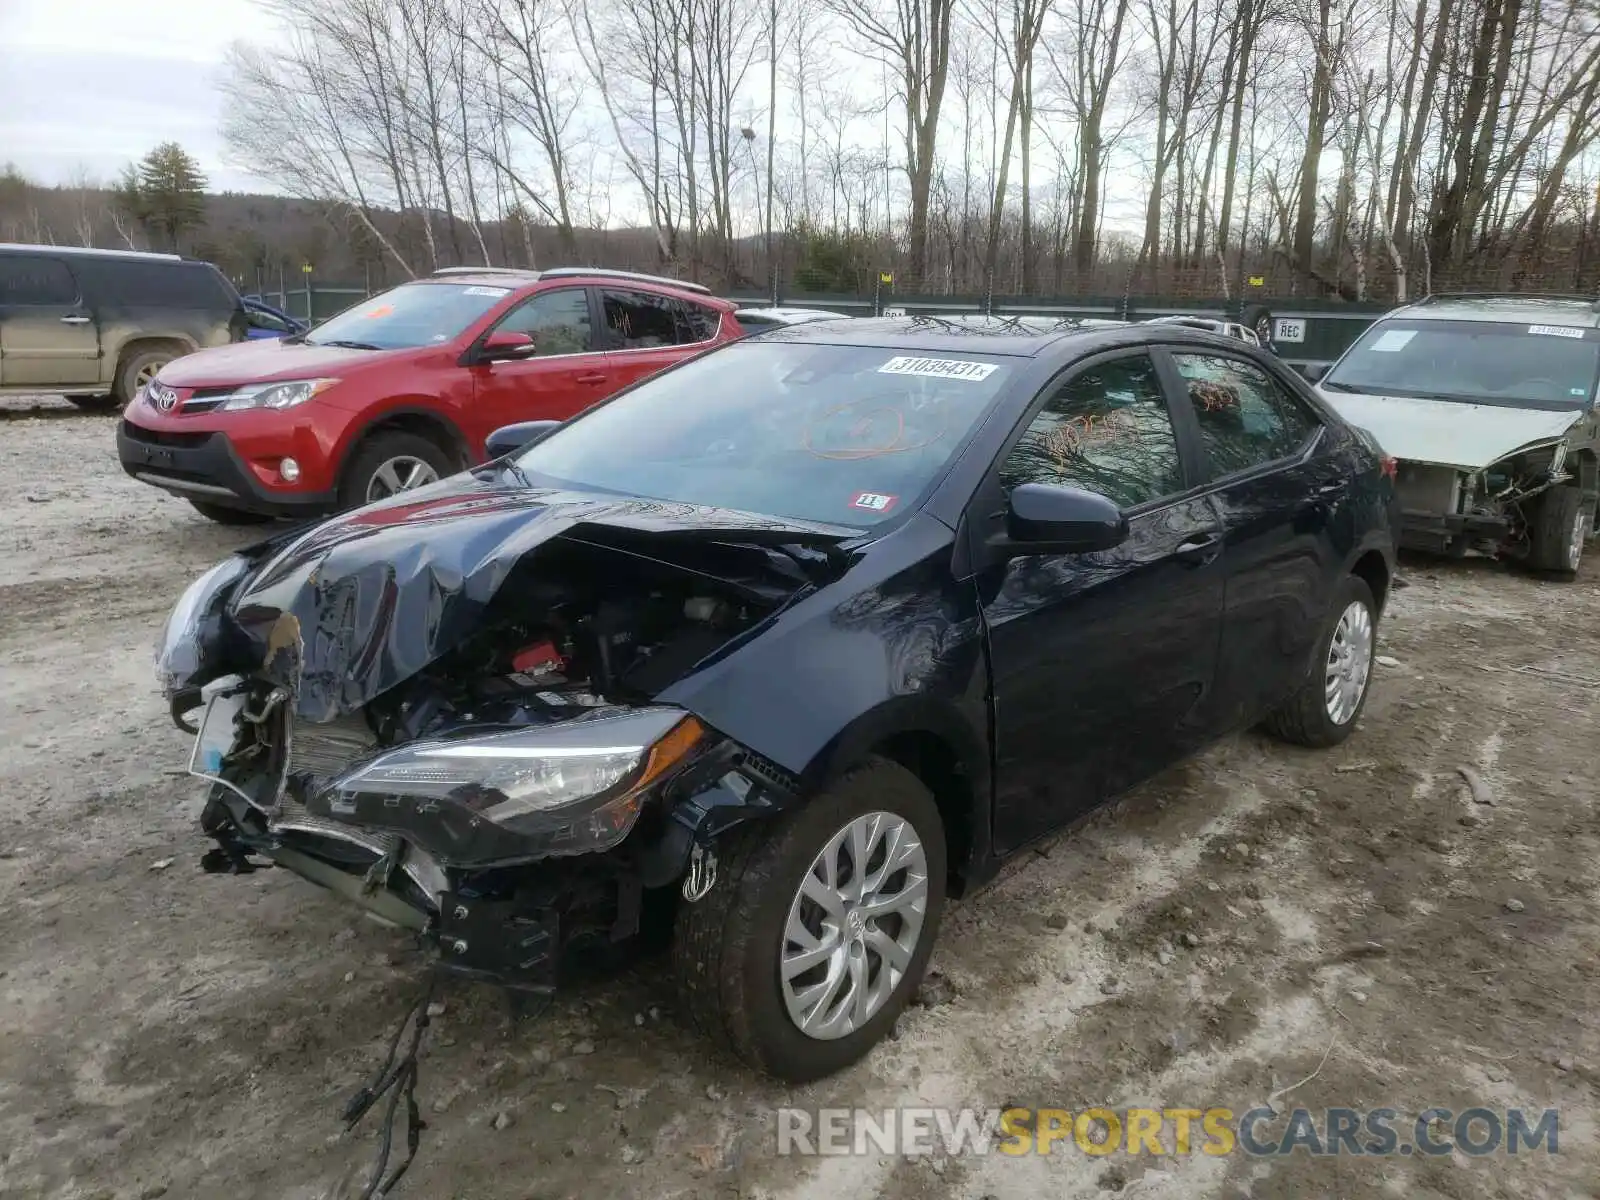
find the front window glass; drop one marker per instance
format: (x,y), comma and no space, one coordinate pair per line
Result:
(1105,430)
(1478,362)
(845,435)
(414,314)
(1245,419)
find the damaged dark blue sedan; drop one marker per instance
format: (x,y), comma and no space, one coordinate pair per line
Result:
(784,646)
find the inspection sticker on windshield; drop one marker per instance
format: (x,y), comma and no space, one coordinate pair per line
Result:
(873,501)
(1391,340)
(1556,331)
(938,368)
(484,291)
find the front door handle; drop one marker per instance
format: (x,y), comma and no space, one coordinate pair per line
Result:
(592,377)
(74,320)
(1200,549)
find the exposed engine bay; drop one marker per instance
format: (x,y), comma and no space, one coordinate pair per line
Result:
(518,794)
(1494,511)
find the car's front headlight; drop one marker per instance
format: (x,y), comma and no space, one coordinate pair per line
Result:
(277,395)
(573,787)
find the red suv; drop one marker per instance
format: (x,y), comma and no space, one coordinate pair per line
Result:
(403,388)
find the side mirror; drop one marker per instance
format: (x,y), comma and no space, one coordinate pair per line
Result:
(508,439)
(506,344)
(1044,518)
(1314,371)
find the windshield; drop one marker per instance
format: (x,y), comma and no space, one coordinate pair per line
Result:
(846,435)
(1476,362)
(414,314)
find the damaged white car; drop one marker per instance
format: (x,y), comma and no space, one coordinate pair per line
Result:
(1488,404)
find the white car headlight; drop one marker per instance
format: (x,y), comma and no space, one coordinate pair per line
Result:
(277,395)
(575,786)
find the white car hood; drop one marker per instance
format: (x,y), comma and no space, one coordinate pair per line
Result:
(1448,433)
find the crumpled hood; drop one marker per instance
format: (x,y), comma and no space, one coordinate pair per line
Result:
(363,601)
(1448,433)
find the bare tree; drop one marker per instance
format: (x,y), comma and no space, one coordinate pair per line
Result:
(911,38)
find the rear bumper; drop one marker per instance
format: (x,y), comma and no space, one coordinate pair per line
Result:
(205,467)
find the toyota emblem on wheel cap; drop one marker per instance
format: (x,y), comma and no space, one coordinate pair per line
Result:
(163,399)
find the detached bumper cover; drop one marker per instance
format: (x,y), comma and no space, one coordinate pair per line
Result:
(205,467)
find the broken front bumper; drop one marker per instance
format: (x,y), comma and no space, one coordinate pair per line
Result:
(496,908)
(1431,500)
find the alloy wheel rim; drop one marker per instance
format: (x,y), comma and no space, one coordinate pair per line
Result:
(854,925)
(399,474)
(147,374)
(1349,663)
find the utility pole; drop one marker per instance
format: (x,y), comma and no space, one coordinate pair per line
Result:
(772,135)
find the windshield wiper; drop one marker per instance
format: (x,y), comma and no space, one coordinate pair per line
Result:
(346,345)
(1338,387)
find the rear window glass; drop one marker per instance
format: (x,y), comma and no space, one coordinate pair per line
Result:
(413,314)
(33,279)
(846,435)
(131,283)
(1477,362)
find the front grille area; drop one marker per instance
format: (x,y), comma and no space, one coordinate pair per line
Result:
(156,437)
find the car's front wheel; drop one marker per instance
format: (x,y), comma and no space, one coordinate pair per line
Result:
(390,463)
(1323,710)
(1559,529)
(818,929)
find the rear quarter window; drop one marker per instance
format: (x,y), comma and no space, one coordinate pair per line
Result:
(135,284)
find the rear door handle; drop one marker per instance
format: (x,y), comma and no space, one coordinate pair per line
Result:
(74,320)
(1200,549)
(592,377)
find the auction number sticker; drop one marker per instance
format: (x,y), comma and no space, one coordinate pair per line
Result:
(873,501)
(1565,331)
(938,368)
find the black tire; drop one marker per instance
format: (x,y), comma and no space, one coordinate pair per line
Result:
(1559,530)
(726,945)
(141,362)
(1258,317)
(378,450)
(1303,718)
(96,404)
(223,515)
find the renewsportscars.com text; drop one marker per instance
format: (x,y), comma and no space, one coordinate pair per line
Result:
(1258,1132)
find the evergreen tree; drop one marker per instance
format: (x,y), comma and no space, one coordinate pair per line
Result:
(165,192)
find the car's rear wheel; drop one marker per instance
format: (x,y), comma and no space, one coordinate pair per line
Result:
(140,368)
(223,515)
(818,929)
(391,463)
(1323,710)
(1560,528)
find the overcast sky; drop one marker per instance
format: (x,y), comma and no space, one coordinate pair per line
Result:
(93,84)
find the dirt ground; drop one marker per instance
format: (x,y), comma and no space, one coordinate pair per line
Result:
(1256,917)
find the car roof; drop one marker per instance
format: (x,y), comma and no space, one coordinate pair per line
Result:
(1011,336)
(1579,311)
(792,314)
(93,252)
(519,277)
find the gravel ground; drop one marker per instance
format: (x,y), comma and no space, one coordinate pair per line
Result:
(1260,917)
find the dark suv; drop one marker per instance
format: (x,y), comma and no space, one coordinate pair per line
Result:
(93,324)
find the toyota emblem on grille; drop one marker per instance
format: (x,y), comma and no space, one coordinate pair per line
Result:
(164,399)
